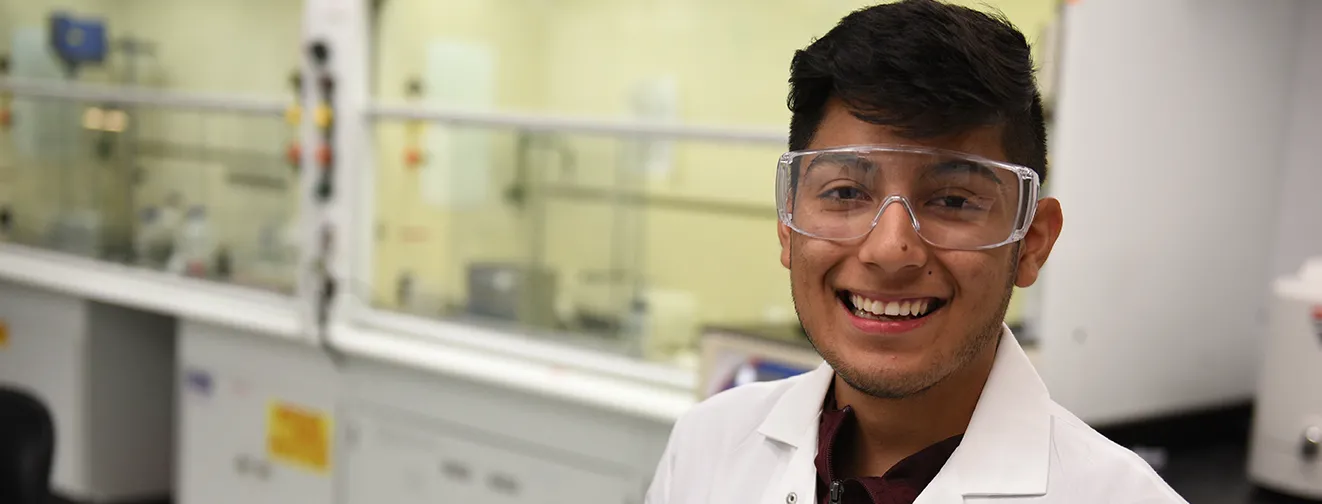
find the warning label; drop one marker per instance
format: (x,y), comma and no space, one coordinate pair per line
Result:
(298,436)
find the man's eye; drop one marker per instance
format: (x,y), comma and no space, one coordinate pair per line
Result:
(952,201)
(957,202)
(844,193)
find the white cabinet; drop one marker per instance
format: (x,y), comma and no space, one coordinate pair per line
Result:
(104,372)
(256,421)
(403,461)
(416,437)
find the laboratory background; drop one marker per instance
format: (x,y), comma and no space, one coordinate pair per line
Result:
(488,251)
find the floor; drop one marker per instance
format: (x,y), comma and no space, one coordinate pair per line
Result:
(1203,471)
(1215,475)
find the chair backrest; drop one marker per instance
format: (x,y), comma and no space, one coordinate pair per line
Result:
(27,447)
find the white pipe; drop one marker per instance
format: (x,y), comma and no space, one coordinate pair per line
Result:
(159,98)
(576,125)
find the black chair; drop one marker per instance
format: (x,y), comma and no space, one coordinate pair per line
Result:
(27,448)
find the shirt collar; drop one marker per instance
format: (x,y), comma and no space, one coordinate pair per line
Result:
(1011,422)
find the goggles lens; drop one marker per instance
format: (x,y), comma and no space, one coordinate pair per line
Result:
(954,200)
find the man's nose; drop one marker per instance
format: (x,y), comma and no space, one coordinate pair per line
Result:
(893,244)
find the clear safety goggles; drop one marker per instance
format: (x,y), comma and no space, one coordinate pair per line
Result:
(954,200)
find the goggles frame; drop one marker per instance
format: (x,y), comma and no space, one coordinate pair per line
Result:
(1030,187)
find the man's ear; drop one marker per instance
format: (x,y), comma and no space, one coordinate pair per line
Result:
(1037,244)
(783,232)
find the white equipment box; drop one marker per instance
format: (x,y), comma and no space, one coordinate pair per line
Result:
(1286,450)
(105,374)
(735,356)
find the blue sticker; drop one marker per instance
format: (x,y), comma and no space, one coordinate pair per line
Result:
(198,382)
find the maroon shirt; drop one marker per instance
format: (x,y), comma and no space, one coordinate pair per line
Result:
(900,485)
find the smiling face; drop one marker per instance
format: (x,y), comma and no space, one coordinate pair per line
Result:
(890,313)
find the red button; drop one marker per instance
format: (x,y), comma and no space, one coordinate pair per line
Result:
(324,156)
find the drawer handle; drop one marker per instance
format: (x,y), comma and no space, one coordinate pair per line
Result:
(504,484)
(242,464)
(263,470)
(456,471)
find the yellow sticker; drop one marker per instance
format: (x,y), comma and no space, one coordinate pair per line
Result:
(4,334)
(298,436)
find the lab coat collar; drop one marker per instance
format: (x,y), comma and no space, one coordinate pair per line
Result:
(1005,450)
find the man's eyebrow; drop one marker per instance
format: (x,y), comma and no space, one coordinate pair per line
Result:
(963,165)
(842,159)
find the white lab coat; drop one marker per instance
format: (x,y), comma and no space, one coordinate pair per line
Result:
(755,444)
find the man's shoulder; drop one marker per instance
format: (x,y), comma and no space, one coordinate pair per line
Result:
(1090,462)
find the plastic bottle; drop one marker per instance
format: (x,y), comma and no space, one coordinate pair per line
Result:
(194,245)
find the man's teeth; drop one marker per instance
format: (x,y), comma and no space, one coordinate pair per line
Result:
(905,308)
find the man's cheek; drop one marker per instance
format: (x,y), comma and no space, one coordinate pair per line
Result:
(976,270)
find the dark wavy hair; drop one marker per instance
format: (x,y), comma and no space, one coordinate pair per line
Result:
(928,69)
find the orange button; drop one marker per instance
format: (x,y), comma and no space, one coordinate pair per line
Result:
(413,157)
(294,155)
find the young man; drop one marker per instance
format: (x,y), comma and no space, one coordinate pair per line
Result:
(909,210)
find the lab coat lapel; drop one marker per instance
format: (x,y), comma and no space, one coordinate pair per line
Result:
(1007,446)
(792,423)
(1005,450)
(798,485)
(944,489)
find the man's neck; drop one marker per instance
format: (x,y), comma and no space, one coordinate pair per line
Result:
(889,430)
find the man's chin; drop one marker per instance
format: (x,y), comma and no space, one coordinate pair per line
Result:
(887,382)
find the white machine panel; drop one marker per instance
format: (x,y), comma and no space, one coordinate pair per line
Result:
(256,420)
(1286,452)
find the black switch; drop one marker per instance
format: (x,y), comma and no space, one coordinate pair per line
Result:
(327,85)
(320,53)
(6,219)
(324,190)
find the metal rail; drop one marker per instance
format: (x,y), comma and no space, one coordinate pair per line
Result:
(602,127)
(671,202)
(143,97)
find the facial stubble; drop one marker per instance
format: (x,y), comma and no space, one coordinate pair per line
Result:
(982,334)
